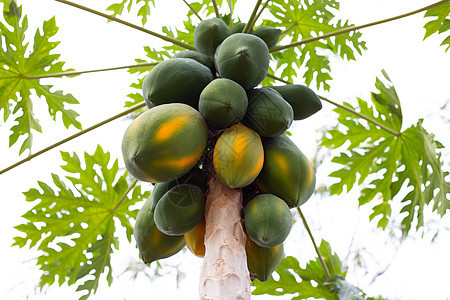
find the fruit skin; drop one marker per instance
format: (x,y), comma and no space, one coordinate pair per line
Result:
(164,143)
(287,172)
(243,58)
(195,239)
(180,209)
(151,242)
(205,60)
(209,34)
(238,156)
(268,113)
(223,103)
(269,35)
(303,100)
(176,80)
(267,220)
(195,177)
(262,261)
(237,28)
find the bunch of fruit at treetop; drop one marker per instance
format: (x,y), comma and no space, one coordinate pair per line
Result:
(206,116)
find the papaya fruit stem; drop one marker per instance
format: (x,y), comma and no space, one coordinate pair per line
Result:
(216,8)
(111,18)
(252,19)
(75,73)
(354,28)
(193,10)
(319,255)
(224,273)
(130,110)
(346,108)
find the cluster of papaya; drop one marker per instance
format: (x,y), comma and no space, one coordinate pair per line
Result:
(207,103)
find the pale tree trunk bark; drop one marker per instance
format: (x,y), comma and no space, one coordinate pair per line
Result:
(224,274)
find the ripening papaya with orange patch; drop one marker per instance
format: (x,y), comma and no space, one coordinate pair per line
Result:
(165,142)
(238,156)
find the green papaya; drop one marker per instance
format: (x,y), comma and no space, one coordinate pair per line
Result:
(238,156)
(176,80)
(303,100)
(165,142)
(267,220)
(195,176)
(269,35)
(268,113)
(209,34)
(151,242)
(243,58)
(237,28)
(200,57)
(223,103)
(262,261)
(287,172)
(180,209)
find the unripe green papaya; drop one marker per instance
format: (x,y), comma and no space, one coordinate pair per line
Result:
(267,220)
(269,35)
(209,34)
(195,239)
(165,142)
(237,28)
(238,156)
(303,100)
(176,80)
(262,261)
(180,209)
(268,113)
(200,57)
(151,242)
(195,176)
(223,103)
(287,172)
(243,58)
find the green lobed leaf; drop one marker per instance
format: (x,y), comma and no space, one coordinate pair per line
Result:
(309,19)
(18,62)
(73,223)
(385,162)
(144,10)
(440,22)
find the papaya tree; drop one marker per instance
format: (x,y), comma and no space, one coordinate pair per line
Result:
(207,159)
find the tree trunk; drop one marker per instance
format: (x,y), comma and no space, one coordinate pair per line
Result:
(224,274)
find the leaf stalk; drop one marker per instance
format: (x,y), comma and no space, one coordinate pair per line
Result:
(111,18)
(250,22)
(354,28)
(216,8)
(193,10)
(131,109)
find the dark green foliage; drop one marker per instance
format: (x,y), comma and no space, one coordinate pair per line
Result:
(180,209)
(151,242)
(269,35)
(303,100)
(176,80)
(73,225)
(223,103)
(267,220)
(243,58)
(268,113)
(410,158)
(209,34)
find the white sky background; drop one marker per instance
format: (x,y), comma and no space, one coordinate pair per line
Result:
(419,70)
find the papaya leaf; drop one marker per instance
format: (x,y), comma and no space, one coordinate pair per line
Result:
(309,19)
(440,23)
(144,10)
(386,162)
(74,223)
(17,62)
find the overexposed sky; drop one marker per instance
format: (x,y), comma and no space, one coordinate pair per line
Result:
(419,70)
